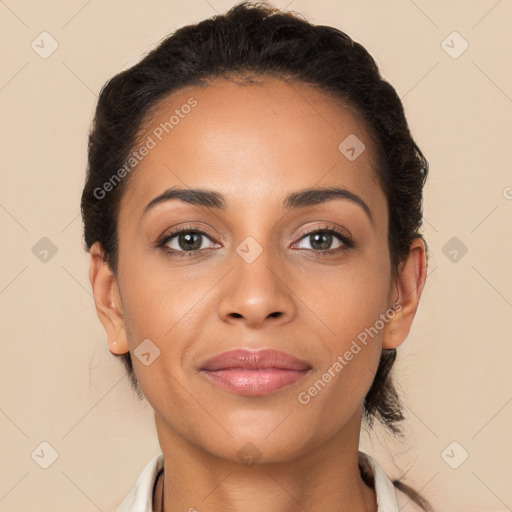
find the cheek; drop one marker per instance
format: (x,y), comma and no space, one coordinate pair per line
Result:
(347,300)
(349,304)
(167,307)
(340,383)
(156,297)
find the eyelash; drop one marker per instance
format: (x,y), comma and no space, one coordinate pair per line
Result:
(347,241)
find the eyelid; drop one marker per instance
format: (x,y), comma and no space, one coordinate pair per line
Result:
(342,232)
(164,239)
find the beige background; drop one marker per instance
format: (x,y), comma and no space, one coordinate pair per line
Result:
(60,384)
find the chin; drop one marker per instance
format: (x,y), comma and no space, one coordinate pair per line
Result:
(257,446)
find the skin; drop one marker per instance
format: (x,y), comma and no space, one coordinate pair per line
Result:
(255,144)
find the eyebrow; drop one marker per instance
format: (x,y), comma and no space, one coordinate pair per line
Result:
(300,199)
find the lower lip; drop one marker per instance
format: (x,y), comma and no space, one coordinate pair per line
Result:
(254,382)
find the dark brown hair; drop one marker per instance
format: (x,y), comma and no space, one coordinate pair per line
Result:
(253,40)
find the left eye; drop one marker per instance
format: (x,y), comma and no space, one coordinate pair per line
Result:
(323,240)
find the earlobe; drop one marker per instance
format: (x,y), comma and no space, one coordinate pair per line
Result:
(107,301)
(409,285)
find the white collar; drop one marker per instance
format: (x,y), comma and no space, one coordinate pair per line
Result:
(140,498)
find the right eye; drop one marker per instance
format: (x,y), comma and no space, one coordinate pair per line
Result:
(188,242)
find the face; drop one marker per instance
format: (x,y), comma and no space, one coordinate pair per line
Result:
(254,269)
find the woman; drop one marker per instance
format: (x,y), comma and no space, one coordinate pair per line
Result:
(252,211)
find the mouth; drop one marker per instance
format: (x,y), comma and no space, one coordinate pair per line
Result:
(253,373)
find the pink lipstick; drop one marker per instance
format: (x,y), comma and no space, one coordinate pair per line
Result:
(254,373)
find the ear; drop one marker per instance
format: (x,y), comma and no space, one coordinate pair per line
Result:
(108,301)
(409,285)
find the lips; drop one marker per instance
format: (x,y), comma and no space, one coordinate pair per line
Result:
(254,373)
(251,360)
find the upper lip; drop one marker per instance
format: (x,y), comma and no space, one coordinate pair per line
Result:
(255,360)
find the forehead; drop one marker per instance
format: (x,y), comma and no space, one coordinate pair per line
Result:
(258,141)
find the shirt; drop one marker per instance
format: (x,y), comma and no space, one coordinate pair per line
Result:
(140,498)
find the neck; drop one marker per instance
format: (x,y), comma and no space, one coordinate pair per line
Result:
(325,478)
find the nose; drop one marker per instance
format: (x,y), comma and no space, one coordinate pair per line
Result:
(257,293)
